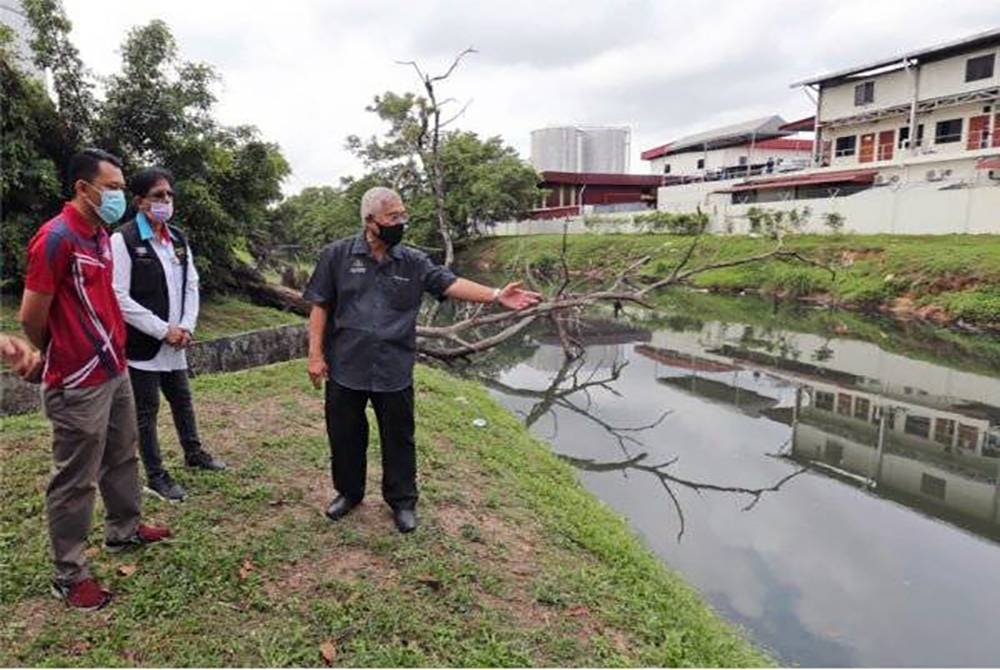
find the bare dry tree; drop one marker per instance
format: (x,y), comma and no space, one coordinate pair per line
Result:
(430,143)
(482,330)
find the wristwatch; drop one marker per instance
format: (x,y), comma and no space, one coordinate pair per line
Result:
(496,295)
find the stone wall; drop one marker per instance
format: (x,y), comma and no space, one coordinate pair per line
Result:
(225,354)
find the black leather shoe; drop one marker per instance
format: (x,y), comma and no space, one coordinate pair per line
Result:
(406,520)
(339,508)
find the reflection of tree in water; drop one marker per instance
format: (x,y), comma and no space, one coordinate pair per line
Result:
(824,352)
(564,392)
(767,339)
(568,382)
(660,471)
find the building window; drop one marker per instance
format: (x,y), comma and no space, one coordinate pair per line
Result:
(864,94)
(933,486)
(948,131)
(743,160)
(833,452)
(701,163)
(845,146)
(904,136)
(944,431)
(666,168)
(843,404)
(968,436)
(861,408)
(824,400)
(980,67)
(917,425)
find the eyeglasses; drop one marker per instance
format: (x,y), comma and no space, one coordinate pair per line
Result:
(398,217)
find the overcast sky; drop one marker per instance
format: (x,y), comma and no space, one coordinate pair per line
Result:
(303,70)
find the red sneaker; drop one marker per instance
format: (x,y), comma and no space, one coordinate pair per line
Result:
(143,535)
(86,595)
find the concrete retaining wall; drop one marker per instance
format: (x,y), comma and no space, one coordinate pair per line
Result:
(225,354)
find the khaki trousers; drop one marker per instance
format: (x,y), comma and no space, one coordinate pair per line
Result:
(94,445)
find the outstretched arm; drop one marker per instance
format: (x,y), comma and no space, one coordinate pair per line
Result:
(511,296)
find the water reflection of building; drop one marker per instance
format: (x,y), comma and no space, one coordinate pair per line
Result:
(883,370)
(735,386)
(936,453)
(947,481)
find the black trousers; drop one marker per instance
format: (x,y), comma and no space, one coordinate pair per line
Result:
(146,387)
(347,429)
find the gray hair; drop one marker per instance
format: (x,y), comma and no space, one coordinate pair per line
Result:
(374,200)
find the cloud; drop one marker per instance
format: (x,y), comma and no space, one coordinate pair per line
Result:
(304,70)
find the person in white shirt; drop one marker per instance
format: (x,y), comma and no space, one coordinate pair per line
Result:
(156,283)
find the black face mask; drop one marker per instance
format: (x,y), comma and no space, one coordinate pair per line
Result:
(391,235)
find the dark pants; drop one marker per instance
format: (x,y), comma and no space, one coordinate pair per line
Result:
(146,387)
(347,429)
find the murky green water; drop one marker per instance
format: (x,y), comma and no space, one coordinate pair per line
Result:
(827,481)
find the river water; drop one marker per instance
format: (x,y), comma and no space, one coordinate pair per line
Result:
(825,481)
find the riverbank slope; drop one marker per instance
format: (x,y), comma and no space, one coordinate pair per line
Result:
(514,563)
(943,279)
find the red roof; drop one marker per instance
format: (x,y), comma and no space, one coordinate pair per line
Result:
(988,163)
(656,152)
(781,144)
(808,123)
(839,177)
(602,179)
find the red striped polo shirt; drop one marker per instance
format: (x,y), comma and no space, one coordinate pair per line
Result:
(71,261)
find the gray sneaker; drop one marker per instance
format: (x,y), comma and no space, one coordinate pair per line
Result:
(203,460)
(165,488)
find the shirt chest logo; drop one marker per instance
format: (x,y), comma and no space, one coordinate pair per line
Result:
(142,251)
(357,267)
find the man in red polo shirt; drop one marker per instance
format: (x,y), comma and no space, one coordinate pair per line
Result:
(69,311)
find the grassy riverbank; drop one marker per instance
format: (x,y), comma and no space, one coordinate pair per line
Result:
(943,279)
(219,316)
(514,564)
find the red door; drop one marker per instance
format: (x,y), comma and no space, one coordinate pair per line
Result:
(886,140)
(867,153)
(996,130)
(979,132)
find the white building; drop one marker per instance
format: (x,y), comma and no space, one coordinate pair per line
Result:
(591,149)
(758,146)
(867,171)
(12,15)
(949,92)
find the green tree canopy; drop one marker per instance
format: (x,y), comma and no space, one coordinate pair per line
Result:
(158,109)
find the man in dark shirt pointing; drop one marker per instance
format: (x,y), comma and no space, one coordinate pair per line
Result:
(366,292)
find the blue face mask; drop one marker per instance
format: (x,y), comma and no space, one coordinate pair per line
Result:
(112,205)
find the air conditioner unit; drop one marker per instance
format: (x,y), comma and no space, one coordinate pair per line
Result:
(880,180)
(934,175)
(946,173)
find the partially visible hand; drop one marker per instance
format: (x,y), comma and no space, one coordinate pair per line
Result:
(318,371)
(187,339)
(512,296)
(175,337)
(22,358)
